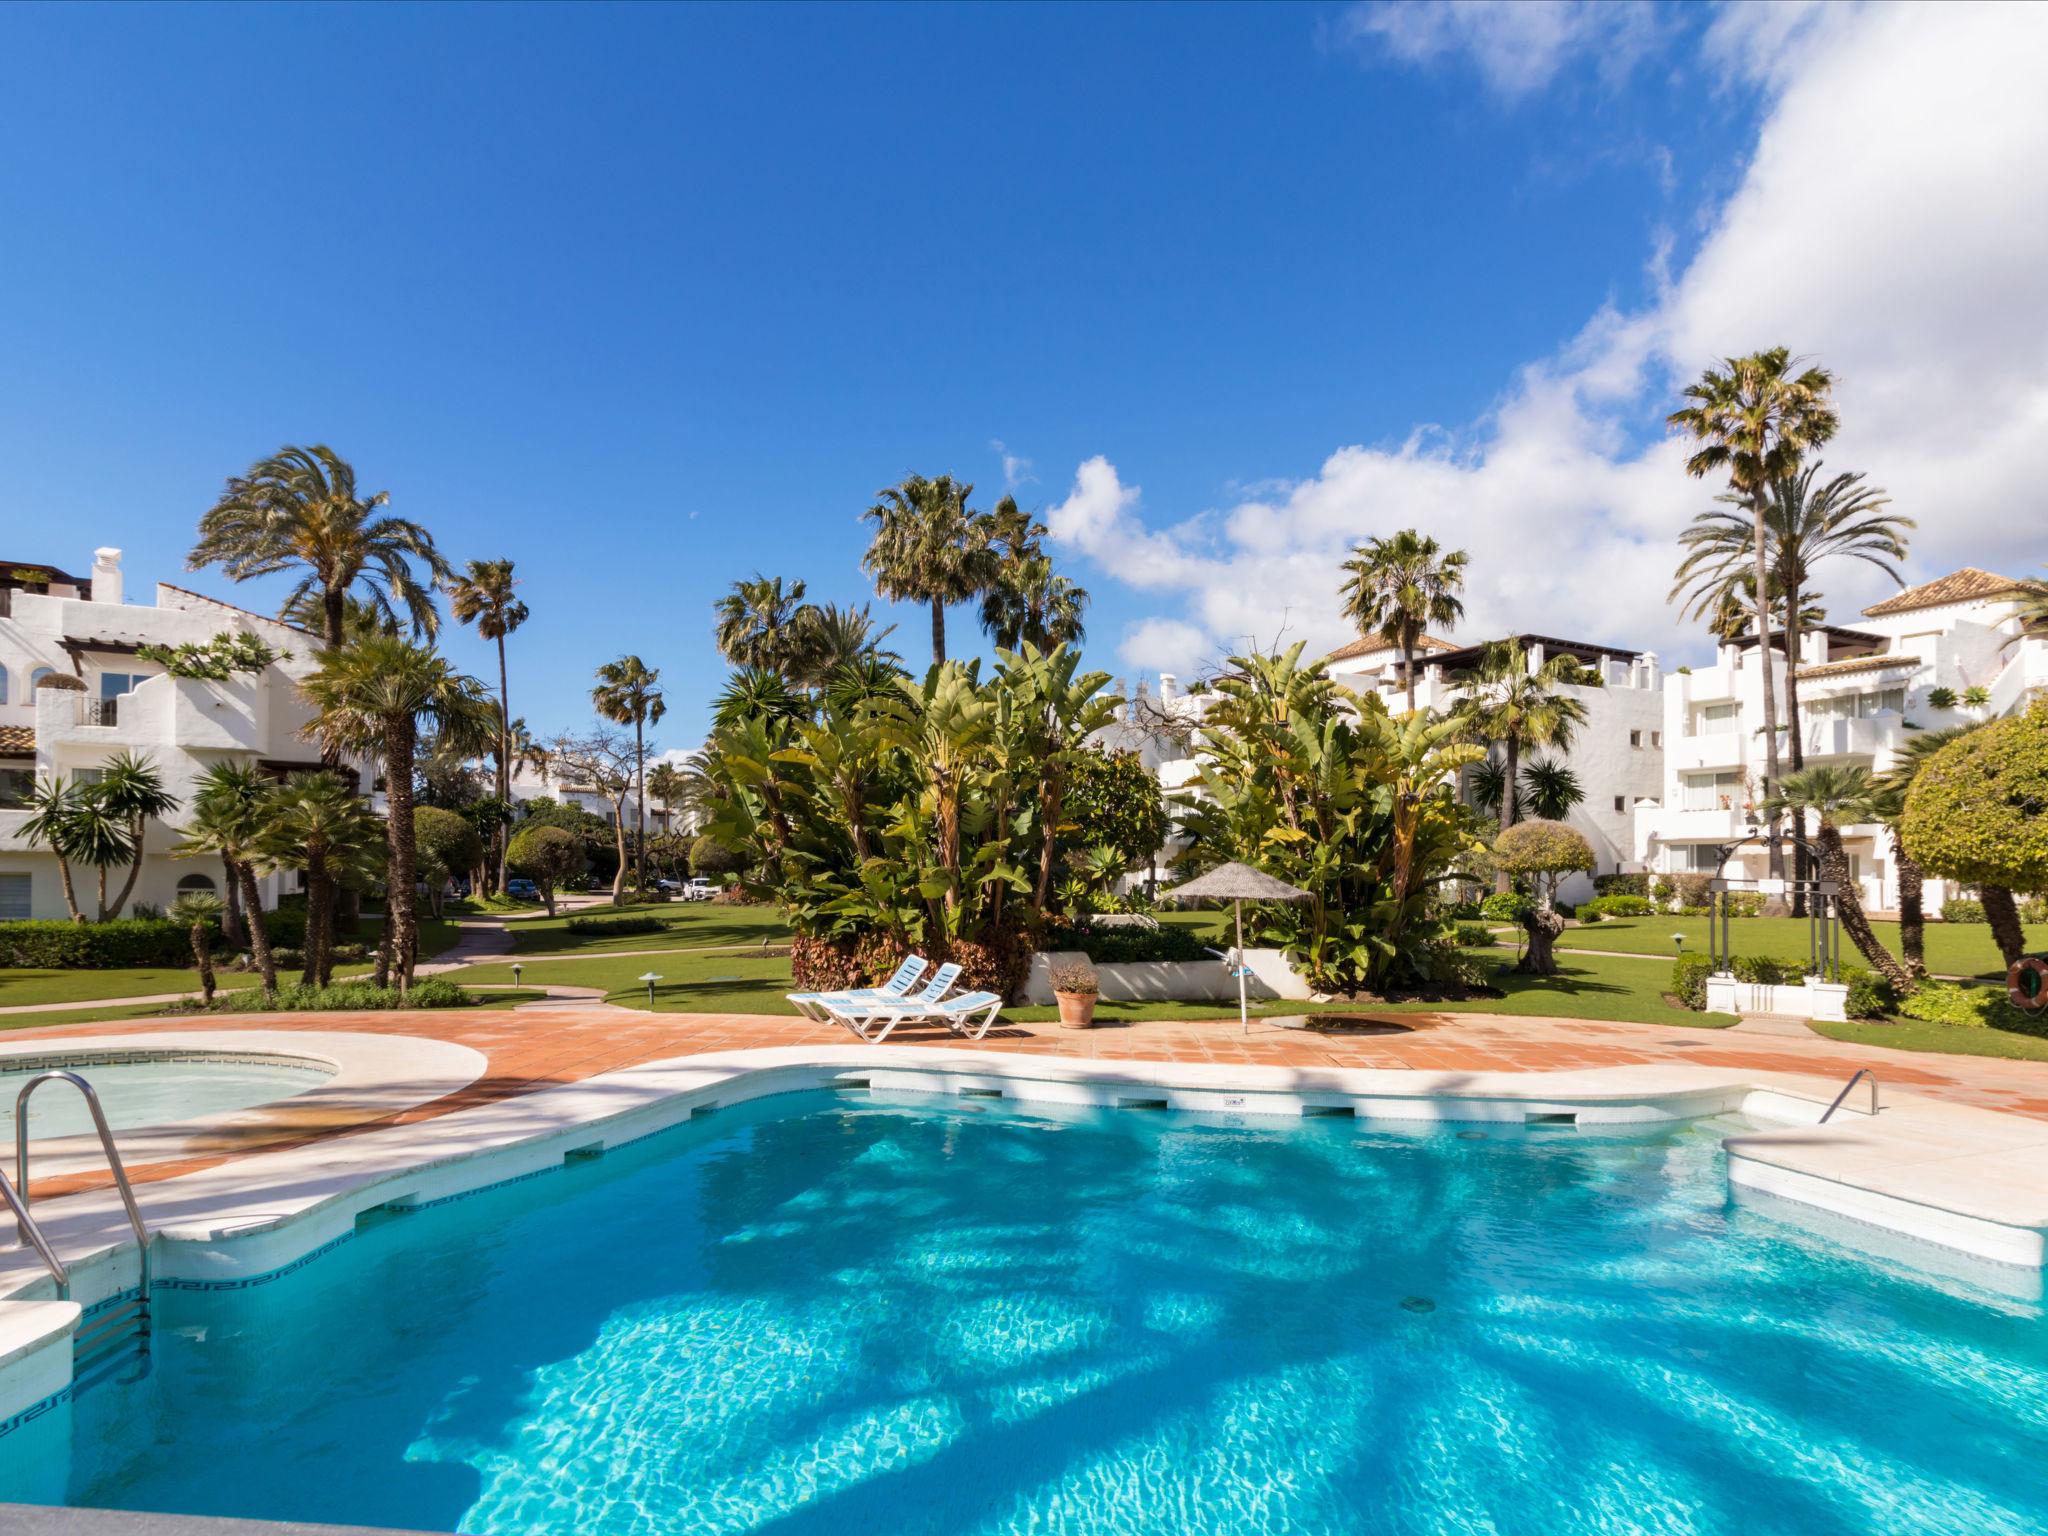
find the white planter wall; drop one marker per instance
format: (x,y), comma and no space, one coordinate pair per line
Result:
(1175,981)
(1811,999)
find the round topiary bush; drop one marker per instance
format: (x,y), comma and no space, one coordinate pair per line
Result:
(708,857)
(1542,852)
(1978,813)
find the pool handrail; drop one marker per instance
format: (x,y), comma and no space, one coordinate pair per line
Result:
(19,1200)
(1850,1087)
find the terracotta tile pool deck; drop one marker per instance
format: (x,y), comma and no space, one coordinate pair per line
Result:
(538,1047)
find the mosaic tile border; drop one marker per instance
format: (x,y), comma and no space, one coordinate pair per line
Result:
(38,1410)
(134,1056)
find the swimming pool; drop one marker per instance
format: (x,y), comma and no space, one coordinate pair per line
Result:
(830,1313)
(143,1093)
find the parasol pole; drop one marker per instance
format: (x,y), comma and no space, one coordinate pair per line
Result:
(1244,1013)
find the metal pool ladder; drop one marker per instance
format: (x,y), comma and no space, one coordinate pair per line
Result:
(106,1325)
(1849,1088)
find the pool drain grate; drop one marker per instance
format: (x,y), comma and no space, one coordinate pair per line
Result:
(1417,1304)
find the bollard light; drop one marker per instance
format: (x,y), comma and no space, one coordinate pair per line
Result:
(516,969)
(1678,942)
(650,978)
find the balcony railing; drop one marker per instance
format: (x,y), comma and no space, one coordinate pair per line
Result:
(99,711)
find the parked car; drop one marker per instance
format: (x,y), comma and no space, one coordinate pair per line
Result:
(698,889)
(523,890)
(671,886)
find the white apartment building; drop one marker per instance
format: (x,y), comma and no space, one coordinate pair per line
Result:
(73,693)
(1861,692)
(1618,754)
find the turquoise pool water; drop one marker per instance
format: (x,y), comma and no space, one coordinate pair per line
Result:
(825,1314)
(141,1093)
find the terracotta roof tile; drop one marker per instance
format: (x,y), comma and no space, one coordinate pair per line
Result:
(1858,664)
(17,741)
(1366,644)
(1956,587)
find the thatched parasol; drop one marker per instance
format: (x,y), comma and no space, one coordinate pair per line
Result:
(1238,884)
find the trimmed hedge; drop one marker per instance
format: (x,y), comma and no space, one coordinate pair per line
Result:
(124,943)
(1943,1002)
(1962,909)
(1475,936)
(1622,885)
(639,923)
(1689,975)
(1870,995)
(1507,906)
(1620,905)
(1119,945)
(354,996)
(1762,971)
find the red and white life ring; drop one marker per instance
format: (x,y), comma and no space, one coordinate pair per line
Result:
(2027,984)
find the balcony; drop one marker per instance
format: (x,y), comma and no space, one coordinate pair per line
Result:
(1865,737)
(1723,749)
(102,714)
(1669,825)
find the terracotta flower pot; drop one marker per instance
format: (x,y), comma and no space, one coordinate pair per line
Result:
(1077,1009)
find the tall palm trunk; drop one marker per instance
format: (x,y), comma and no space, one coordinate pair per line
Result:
(319,920)
(1834,866)
(137,827)
(259,928)
(1050,794)
(401,869)
(504,762)
(334,613)
(1793,742)
(640,799)
(1759,501)
(70,891)
(2004,917)
(1912,911)
(202,961)
(938,632)
(231,918)
(1507,804)
(1408,669)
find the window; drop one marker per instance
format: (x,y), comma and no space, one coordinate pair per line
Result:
(14,893)
(1702,858)
(114,684)
(3,685)
(197,882)
(15,784)
(1635,738)
(83,776)
(1715,720)
(1713,791)
(1656,738)
(1618,805)
(37,676)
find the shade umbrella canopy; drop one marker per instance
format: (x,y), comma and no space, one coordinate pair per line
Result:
(1237,884)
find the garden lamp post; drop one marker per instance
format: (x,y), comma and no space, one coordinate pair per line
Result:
(1237,884)
(650,978)
(516,969)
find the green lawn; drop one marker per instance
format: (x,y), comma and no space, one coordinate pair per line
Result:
(1913,1035)
(20,987)
(114,1011)
(1622,987)
(1953,949)
(688,924)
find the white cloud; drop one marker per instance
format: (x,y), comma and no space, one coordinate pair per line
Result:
(1518,46)
(1016,468)
(1892,224)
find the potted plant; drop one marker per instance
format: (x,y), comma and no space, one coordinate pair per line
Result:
(1075,987)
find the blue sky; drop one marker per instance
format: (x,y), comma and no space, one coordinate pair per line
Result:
(649,298)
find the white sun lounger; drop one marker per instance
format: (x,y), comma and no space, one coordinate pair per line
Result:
(812,1005)
(969,1015)
(872,1020)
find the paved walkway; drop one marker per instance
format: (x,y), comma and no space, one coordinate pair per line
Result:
(544,1044)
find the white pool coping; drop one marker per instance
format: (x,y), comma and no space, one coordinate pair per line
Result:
(1968,1180)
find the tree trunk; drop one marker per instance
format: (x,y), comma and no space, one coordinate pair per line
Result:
(1507,806)
(1408,672)
(2004,918)
(1801,874)
(1912,912)
(259,929)
(1834,865)
(70,891)
(202,961)
(231,919)
(101,871)
(137,827)
(319,905)
(640,800)
(938,632)
(504,831)
(619,837)
(334,606)
(1049,798)
(401,869)
(1759,499)
(1542,926)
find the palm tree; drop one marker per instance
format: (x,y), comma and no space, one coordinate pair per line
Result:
(52,805)
(1510,704)
(1732,615)
(1804,524)
(314,822)
(298,511)
(1399,587)
(1550,790)
(1023,599)
(129,788)
(198,910)
(1755,418)
(376,694)
(829,638)
(226,821)
(627,694)
(483,596)
(1835,797)
(759,621)
(929,547)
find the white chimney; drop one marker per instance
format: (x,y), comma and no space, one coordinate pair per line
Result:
(1650,678)
(106,576)
(1169,686)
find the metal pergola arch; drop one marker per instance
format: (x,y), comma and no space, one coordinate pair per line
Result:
(1823,906)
